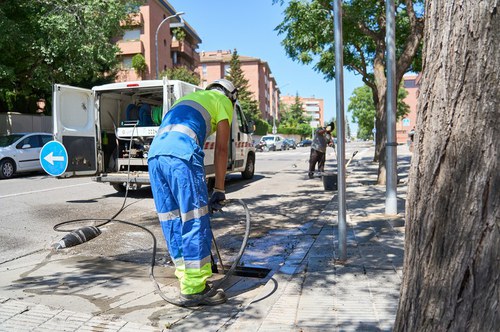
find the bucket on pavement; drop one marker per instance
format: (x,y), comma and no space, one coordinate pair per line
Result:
(330,181)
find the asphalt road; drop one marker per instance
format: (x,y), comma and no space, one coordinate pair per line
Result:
(280,198)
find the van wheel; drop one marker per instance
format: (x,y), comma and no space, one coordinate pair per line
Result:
(249,168)
(119,187)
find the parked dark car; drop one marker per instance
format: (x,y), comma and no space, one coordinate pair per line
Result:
(305,142)
(289,143)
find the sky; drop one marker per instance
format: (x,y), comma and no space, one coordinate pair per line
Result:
(248,26)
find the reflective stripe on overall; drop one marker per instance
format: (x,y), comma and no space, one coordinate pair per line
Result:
(181,196)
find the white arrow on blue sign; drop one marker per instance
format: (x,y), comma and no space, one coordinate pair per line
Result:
(54,158)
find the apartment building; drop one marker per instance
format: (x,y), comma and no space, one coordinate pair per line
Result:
(411,83)
(140,38)
(313,107)
(262,84)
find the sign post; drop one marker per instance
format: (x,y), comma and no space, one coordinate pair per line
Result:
(54,158)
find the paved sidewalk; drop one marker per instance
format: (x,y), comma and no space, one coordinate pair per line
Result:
(311,291)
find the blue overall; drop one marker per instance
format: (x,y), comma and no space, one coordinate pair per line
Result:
(177,176)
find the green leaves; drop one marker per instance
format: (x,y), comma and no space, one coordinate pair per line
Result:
(362,108)
(307,31)
(248,103)
(181,73)
(63,41)
(293,120)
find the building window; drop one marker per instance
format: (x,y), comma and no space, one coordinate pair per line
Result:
(126,62)
(409,84)
(134,34)
(204,69)
(227,69)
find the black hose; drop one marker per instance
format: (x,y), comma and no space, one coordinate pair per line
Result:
(180,303)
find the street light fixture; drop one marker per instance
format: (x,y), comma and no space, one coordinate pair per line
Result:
(178,14)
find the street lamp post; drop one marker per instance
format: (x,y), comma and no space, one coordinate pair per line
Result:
(391,199)
(156,37)
(339,92)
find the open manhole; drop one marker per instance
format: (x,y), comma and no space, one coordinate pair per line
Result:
(245,271)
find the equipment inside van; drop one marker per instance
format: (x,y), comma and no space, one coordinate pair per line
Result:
(107,130)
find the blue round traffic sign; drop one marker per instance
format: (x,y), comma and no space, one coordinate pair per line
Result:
(54,158)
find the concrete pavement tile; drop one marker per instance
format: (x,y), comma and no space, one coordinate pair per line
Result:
(10,308)
(255,314)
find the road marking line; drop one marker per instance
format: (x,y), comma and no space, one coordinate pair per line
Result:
(43,190)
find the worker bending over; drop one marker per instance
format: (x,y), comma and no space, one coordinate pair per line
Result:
(178,184)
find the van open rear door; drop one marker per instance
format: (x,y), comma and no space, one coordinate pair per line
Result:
(76,127)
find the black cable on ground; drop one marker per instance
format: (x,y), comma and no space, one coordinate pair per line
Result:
(181,303)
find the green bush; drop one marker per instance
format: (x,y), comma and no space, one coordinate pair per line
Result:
(261,127)
(139,64)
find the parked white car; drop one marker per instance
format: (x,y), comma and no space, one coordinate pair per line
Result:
(21,153)
(273,142)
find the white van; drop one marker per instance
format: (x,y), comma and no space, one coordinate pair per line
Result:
(107,130)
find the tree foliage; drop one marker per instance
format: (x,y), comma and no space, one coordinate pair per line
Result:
(293,120)
(181,73)
(309,38)
(44,42)
(363,110)
(248,103)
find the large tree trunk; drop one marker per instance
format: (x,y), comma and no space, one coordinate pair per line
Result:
(381,116)
(451,276)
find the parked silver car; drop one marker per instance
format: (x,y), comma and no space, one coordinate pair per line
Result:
(21,153)
(273,142)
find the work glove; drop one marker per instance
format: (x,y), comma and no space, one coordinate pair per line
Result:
(216,201)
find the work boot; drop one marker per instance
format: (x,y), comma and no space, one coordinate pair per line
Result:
(193,300)
(311,175)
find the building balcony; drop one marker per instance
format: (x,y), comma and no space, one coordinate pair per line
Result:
(130,47)
(185,50)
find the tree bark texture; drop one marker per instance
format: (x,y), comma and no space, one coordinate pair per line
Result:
(451,272)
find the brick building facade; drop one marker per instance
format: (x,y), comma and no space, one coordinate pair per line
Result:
(403,126)
(140,38)
(313,107)
(262,84)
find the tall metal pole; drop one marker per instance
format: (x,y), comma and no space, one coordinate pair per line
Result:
(391,201)
(339,91)
(156,38)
